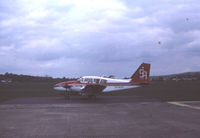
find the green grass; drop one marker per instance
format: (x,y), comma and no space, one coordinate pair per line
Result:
(164,91)
(26,89)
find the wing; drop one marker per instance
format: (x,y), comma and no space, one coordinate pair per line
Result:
(93,88)
(102,88)
(117,88)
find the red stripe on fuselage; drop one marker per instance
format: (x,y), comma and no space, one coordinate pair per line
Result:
(71,83)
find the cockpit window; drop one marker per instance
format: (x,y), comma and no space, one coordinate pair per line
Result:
(88,80)
(80,80)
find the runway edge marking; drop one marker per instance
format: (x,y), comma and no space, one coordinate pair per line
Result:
(184,105)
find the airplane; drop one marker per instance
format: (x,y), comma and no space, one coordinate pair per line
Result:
(92,86)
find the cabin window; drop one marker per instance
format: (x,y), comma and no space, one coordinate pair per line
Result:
(96,81)
(102,81)
(90,81)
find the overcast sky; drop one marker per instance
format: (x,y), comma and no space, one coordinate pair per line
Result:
(74,38)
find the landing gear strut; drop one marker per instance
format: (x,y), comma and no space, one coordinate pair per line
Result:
(67,95)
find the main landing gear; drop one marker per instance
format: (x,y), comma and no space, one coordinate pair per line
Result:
(67,95)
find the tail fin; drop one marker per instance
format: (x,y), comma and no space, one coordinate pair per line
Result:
(142,74)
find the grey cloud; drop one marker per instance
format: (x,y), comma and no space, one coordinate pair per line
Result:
(100,40)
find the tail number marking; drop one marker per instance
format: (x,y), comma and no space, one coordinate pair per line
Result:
(143,73)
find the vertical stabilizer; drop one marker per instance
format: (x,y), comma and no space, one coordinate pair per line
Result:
(142,74)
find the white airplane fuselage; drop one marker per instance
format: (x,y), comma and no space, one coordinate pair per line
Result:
(109,83)
(93,85)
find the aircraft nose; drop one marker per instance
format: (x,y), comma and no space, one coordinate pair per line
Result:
(59,88)
(56,85)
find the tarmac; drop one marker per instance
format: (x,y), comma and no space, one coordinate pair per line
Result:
(103,117)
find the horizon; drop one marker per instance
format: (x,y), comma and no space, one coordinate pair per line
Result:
(95,75)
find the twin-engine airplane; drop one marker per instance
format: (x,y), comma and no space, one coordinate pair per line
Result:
(94,85)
